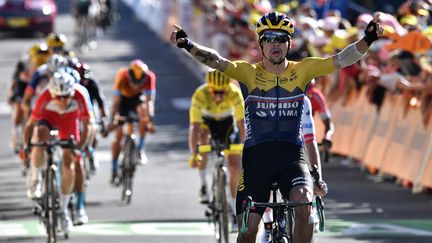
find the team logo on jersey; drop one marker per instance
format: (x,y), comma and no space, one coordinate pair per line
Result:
(281,109)
(283,80)
(241,185)
(261,113)
(247,124)
(293,75)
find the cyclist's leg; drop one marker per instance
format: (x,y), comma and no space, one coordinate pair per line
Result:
(295,183)
(115,151)
(255,181)
(41,134)
(141,110)
(204,139)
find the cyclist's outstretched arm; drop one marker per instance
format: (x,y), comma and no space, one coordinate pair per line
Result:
(205,55)
(354,52)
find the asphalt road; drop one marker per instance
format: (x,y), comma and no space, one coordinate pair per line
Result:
(164,207)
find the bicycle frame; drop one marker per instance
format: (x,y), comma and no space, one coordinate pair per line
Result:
(218,205)
(130,152)
(47,208)
(283,213)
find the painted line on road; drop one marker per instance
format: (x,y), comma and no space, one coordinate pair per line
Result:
(334,227)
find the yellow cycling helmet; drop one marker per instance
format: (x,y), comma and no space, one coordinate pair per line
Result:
(38,54)
(55,40)
(217,80)
(275,21)
(37,49)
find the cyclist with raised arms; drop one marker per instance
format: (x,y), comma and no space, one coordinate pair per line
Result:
(134,91)
(217,112)
(62,106)
(311,146)
(275,89)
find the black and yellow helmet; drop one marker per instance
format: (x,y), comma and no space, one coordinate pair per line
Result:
(217,80)
(38,49)
(55,40)
(275,21)
(38,54)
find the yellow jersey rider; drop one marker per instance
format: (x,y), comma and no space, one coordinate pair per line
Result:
(217,112)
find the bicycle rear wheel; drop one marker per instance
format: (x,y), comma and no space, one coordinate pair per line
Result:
(222,209)
(51,205)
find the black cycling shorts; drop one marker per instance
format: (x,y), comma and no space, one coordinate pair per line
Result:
(223,131)
(129,105)
(18,92)
(283,162)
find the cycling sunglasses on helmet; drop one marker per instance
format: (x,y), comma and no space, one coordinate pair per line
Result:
(274,37)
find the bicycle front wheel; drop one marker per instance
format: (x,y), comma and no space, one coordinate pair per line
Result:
(52,205)
(289,218)
(128,169)
(222,208)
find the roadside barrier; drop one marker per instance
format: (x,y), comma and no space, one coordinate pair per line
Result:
(394,141)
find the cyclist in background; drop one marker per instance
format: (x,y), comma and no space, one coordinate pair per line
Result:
(217,112)
(319,105)
(134,91)
(275,89)
(96,94)
(56,43)
(63,106)
(36,55)
(40,78)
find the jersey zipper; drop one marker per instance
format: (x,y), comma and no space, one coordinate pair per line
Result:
(277,108)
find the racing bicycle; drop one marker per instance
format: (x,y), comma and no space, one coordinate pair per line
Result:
(130,156)
(283,213)
(48,206)
(218,211)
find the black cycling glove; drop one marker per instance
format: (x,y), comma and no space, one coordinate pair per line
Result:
(187,44)
(371,34)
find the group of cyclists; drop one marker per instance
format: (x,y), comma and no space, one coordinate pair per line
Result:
(52,89)
(269,110)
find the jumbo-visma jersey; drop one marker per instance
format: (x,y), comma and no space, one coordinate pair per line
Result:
(274,103)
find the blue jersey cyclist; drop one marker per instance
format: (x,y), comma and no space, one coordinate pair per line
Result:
(274,91)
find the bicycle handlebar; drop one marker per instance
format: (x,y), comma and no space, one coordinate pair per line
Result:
(71,144)
(318,203)
(209,148)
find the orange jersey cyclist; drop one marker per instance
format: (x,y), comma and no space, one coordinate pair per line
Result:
(134,92)
(274,91)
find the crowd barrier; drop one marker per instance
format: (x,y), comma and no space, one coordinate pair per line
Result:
(392,141)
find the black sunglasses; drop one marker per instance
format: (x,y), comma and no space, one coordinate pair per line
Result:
(275,37)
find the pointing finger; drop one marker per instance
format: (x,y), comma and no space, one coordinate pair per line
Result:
(376,17)
(177,27)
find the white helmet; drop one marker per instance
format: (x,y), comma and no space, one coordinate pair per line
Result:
(61,84)
(56,61)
